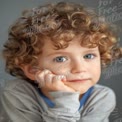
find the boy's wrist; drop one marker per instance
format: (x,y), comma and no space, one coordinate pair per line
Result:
(66,100)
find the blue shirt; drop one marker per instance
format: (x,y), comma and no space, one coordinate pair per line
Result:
(82,100)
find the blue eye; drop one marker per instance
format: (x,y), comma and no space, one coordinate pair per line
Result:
(89,56)
(60,59)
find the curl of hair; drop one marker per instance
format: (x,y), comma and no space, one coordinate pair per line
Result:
(61,23)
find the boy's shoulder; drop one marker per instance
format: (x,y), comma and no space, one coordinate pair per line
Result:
(102,90)
(19,86)
(103,93)
(14,83)
(101,96)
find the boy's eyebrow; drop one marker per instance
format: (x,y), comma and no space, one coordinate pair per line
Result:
(64,52)
(60,52)
(92,50)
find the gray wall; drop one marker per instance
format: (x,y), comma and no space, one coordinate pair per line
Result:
(112,9)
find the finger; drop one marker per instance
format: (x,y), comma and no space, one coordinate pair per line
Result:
(59,85)
(58,78)
(46,71)
(57,81)
(48,79)
(40,77)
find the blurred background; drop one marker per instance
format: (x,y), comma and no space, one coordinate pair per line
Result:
(111,9)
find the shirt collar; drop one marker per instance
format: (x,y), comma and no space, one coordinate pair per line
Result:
(85,97)
(82,100)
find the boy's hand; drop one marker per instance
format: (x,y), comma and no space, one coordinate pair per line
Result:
(48,82)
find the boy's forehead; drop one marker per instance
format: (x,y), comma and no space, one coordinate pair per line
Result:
(51,43)
(75,43)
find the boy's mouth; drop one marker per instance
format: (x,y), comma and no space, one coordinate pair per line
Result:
(79,80)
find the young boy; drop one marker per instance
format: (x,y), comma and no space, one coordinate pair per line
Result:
(57,52)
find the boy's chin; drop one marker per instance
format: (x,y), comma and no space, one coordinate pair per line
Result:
(81,90)
(80,87)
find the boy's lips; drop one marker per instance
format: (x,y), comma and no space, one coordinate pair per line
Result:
(79,80)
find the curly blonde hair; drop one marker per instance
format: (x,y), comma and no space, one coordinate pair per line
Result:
(61,23)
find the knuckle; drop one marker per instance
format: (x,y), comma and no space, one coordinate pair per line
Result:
(46,71)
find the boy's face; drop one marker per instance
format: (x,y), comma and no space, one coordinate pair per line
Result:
(80,65)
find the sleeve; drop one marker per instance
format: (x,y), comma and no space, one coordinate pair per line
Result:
(99,107)
(20,108)
(66,106)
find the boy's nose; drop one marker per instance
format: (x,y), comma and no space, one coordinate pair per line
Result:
(78,67)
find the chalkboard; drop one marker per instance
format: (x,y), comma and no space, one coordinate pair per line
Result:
(111,9)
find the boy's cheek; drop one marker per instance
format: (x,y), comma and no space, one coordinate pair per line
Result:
(59,71)
(96,76)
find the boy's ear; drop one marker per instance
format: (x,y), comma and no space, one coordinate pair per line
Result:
(29,71)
